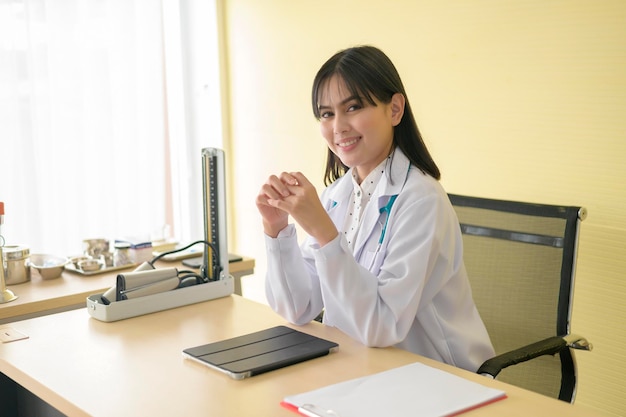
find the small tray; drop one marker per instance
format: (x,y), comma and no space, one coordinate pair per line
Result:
(121,310)
(70,267)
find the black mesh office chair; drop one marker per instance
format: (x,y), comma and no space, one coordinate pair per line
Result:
(521,260)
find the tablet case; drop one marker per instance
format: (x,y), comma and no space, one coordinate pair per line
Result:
(260,352)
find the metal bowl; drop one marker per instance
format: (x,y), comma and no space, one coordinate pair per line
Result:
(76,260)
(90,265)
(48,266)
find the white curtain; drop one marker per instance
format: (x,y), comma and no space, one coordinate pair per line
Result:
(194,103)
(85,133)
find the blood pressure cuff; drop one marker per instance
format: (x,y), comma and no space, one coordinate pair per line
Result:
(141,283)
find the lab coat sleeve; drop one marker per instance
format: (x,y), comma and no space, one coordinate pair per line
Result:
(291,285)
(378,310)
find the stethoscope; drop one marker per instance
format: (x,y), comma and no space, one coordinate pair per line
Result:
(387,210)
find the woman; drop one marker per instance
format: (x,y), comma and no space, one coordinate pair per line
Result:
(383,257)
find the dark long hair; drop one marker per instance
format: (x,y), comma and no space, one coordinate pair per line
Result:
(368,72)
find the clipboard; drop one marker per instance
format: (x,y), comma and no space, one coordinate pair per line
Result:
(410,390)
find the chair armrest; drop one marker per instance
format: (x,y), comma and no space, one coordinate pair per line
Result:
(550,346)
(575,341)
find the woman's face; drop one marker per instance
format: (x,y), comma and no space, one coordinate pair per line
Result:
(359,133)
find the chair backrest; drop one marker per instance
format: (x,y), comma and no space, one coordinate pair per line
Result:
(521,259)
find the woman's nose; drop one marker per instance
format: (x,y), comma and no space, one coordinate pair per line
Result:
(341,125)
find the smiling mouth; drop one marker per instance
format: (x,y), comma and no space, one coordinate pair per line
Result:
(348,143)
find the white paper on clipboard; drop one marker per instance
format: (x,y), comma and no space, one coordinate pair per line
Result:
(410,390)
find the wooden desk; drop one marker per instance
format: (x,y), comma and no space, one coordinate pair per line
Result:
(39,297)
(134,367)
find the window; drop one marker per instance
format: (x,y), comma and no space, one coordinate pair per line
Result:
(98,136)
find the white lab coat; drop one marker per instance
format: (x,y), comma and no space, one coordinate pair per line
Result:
(410,291)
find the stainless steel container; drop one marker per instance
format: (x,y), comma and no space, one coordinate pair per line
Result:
(16,266)
(95,247)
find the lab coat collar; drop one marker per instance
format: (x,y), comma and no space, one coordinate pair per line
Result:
(392,184)
(399,165)
(389,185)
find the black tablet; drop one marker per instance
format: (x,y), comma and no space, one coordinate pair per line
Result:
(260,352)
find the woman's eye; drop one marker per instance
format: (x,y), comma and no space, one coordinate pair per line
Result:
(325,115)
(354,107)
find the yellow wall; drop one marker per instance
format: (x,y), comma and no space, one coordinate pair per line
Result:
(516,99)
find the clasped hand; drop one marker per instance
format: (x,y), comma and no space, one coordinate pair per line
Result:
(292,194)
